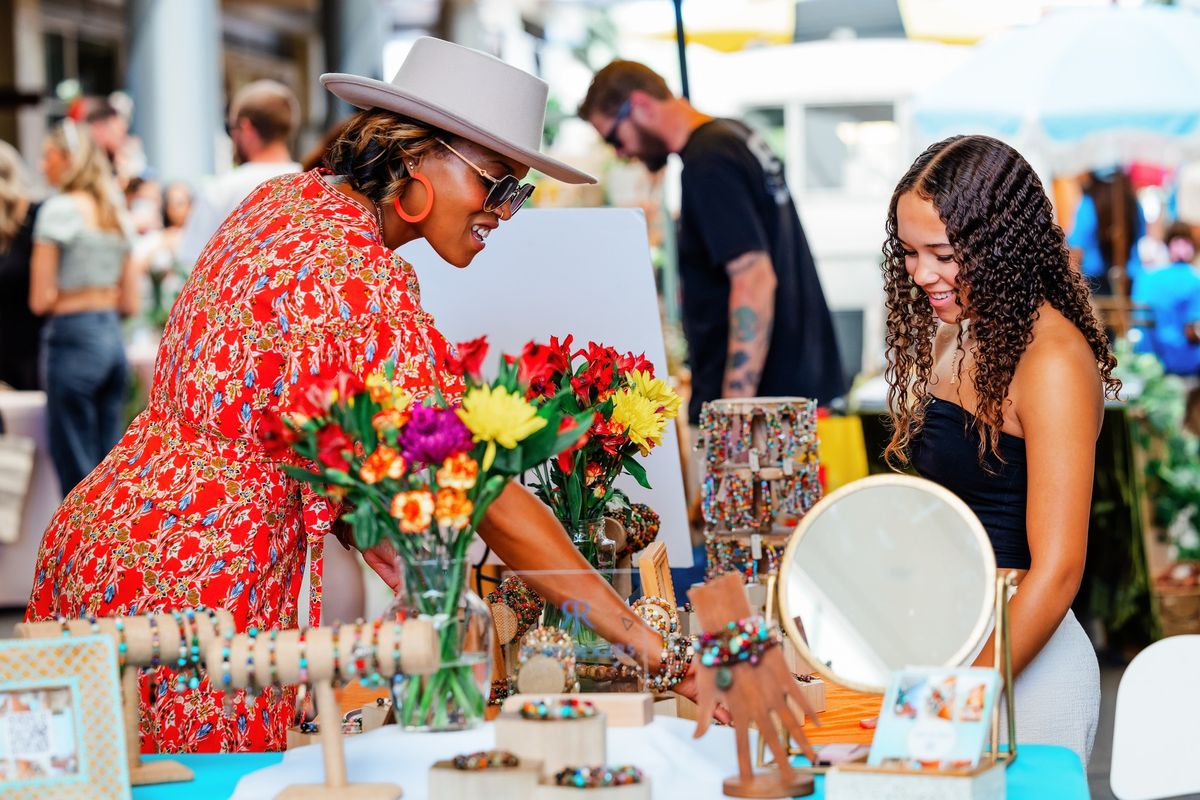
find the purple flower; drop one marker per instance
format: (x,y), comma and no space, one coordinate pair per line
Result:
(433,435)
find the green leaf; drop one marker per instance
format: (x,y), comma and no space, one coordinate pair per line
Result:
(635,469)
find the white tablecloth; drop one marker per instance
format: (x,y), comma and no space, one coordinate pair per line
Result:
(24,414)
(677,764)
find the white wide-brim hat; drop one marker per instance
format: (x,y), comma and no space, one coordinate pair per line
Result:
(467,93)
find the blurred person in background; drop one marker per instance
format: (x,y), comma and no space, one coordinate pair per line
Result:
(754,313)
(1172,294)
(263,118)
(1108,224)
(108,125)
(20,328)
(157,252)
(82,279)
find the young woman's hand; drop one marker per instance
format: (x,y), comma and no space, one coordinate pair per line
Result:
(384,560)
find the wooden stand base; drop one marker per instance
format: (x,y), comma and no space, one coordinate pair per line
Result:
(356,791)
(769,784)
(511,783)
(151,772)
(634,791)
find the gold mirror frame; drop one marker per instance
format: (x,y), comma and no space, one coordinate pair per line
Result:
(993,615)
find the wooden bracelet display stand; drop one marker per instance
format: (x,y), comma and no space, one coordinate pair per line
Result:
(418,656)
(138,637)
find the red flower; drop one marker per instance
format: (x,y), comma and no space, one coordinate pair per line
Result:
(629,362)
(598,381)
(277,436)
(326,390)
(332,441)
(609,434)
(566,459)
(468,360)
(541,367)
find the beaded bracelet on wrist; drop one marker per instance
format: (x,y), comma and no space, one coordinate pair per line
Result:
(596,777)
(675,660)
(570,708)
(487,759)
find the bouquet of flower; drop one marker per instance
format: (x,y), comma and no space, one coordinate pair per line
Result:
(421,476)
(629,409)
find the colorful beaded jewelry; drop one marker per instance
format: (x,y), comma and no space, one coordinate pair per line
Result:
(738,642)
(155,646)
(252,687)
(487,759)
(502,689)
(64,624)
(356,664)
(569,708)
(95,624)
(194,650)
(641,529)
(272,665)
(673,665)
(596,777)
(552,643)
(336,677)
(526,604)
(122,645)
(658,613)
(303,662)
(374,679)
(396,676)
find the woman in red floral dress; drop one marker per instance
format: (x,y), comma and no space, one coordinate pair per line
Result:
(299,284)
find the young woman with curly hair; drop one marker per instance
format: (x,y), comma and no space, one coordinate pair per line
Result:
(998,370)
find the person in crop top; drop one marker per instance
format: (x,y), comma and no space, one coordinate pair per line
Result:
(81,279)
(998,374)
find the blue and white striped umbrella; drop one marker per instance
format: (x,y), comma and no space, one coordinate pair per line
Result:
(1083,86)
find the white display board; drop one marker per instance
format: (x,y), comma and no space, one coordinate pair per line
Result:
(555,272)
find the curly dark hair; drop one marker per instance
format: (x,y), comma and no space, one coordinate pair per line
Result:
(373,148)
(1012,258)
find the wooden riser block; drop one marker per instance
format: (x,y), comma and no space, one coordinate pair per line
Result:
(814,693)
(634,791)
(852,782)
(357,791)
(375,716)
(557,743)
(620,710)
(511,783)
(151,772)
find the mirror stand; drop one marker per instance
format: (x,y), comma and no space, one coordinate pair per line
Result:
(1003,665)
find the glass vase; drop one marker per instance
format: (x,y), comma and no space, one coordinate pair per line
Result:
(454,697)
(590,539)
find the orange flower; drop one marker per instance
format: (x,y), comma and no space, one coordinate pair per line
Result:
(388,394)
(385,462)
(458,472)
(453,509)
(390,419)
(414,510)
(593,473)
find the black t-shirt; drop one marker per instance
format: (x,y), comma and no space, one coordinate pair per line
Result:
(735,200)
(19,328)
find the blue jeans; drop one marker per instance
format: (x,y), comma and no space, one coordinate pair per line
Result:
(85,376)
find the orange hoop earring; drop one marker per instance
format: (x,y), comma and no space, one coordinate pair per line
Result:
(415,218)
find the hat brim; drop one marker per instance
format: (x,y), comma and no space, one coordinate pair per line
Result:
(370,93)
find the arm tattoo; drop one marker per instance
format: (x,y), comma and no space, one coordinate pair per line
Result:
(745,324)
(739,359)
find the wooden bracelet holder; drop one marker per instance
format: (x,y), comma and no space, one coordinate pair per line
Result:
(140,652)
(418,656)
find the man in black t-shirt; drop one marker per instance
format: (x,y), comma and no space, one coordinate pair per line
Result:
(754,314)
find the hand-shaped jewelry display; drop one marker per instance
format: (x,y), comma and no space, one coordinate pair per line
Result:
(742,668)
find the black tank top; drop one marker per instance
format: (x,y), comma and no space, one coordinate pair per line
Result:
(946,451)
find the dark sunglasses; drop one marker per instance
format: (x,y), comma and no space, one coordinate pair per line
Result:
(504,190)
(622,114)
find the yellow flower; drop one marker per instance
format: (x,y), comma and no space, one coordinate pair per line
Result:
(640,418)
(414,510)
(387,394)
(452,508)
(498,417)
(657,391)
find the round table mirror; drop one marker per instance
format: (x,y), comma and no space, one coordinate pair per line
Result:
(887,572)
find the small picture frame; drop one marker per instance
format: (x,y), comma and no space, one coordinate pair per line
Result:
(655,571)
(61,727)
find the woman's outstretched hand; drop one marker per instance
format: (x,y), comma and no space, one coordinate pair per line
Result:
(385,561)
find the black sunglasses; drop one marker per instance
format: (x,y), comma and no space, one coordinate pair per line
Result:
(622,113)
(504,190)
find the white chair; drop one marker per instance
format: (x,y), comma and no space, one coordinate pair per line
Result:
(1156,735)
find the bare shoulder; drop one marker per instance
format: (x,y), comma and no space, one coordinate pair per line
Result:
(1057,372)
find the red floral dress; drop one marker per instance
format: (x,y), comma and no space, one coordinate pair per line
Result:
(188,509)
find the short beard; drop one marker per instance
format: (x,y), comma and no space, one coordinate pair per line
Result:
(652,150)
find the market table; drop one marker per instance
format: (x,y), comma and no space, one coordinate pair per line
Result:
(662,748)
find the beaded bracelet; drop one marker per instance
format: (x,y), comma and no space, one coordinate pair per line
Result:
(374,679)
(569,708)
(155,646)
(252,687)
(356,665)
(641,529)
(674,662)
(658,613)
(607,672)
(596,777)
(122,645)
(552,643)
(194,679)
(64,624)
(226,674)
(526,604)
(738,642)
(487,759)
(95,624)
(502,689)
(336,677)
(181,660)
(396,631)
(303,675)
(272,664)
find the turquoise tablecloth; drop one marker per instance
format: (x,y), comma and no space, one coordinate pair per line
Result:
(1040,772)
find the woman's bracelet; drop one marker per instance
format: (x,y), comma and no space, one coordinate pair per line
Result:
(675,660)
(595,777)
(487,759)
(658,613)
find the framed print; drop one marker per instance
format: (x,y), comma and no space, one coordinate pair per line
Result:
(61,728)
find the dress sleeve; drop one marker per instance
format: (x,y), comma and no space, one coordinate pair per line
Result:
(58,221)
